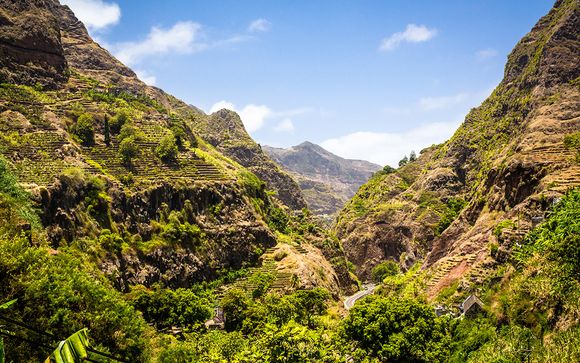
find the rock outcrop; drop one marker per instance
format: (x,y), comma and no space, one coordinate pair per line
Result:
(31,49)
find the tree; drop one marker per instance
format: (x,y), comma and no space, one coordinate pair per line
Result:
(84,129)
(128,130)
(167,148)
(107,131)
(128,149)
(235,304)
(382,270)
(310,303)
(387,169)
(403,161)
(398,330)
(119,120)
(412,156)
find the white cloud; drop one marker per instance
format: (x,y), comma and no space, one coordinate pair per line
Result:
(259,26)
(146,77)
(437,103)
(253,116)
(285,125)
(389,148)
(221,105)
(486,53)
(95,14)
(182,37)
(412,34)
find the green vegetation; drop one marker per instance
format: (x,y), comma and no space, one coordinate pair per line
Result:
(385,269)
(165,308)
(572,141)
(15,204)
(84,129)
(453,206)
(167,149)
(119,120)
(397,330)
(128,149)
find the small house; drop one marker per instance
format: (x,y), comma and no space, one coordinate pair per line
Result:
(471,306)
(218,321)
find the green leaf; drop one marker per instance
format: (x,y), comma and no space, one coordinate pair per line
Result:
(6,305)
(71,350)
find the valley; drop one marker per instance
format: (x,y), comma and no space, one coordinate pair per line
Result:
(135,227)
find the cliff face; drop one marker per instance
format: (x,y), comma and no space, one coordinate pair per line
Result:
(327,180)
(31,50)
(82,134)
(492,180)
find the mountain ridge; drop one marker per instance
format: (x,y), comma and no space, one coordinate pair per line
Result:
(503,166)
(327,180)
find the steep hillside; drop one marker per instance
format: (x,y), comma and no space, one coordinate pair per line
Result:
(482,190)
(108,158)
(224,130)
(327,180)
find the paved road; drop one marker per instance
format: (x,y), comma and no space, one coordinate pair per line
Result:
(367,290)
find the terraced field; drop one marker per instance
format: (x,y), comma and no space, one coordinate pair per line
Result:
(39,157)
(282,280)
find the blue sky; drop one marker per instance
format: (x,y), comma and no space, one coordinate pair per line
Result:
(366,79)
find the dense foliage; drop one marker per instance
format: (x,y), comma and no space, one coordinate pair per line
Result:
(84,129)
(398,330)
(167,149)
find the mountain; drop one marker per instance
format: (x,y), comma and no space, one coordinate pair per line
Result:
(134,218)
(327,180)
(111,186)
(487,186)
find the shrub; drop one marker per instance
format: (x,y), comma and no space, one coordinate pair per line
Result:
(397,330)
(572,141)
(119,120)
(185,234)
(235,303)
(165,308)
(506,223)
(128,130)
(403,161)
(128,149)
(83,128)
(167,148)
(384,269)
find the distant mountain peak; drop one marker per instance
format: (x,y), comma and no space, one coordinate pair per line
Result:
(326,179)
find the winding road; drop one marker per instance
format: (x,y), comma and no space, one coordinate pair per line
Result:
(350,300)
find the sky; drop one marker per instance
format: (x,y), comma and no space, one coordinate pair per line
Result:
(365,79)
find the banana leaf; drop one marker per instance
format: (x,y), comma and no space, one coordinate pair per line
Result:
(71,350)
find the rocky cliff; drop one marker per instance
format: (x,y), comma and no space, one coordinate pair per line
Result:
(327,180)
(463,204)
